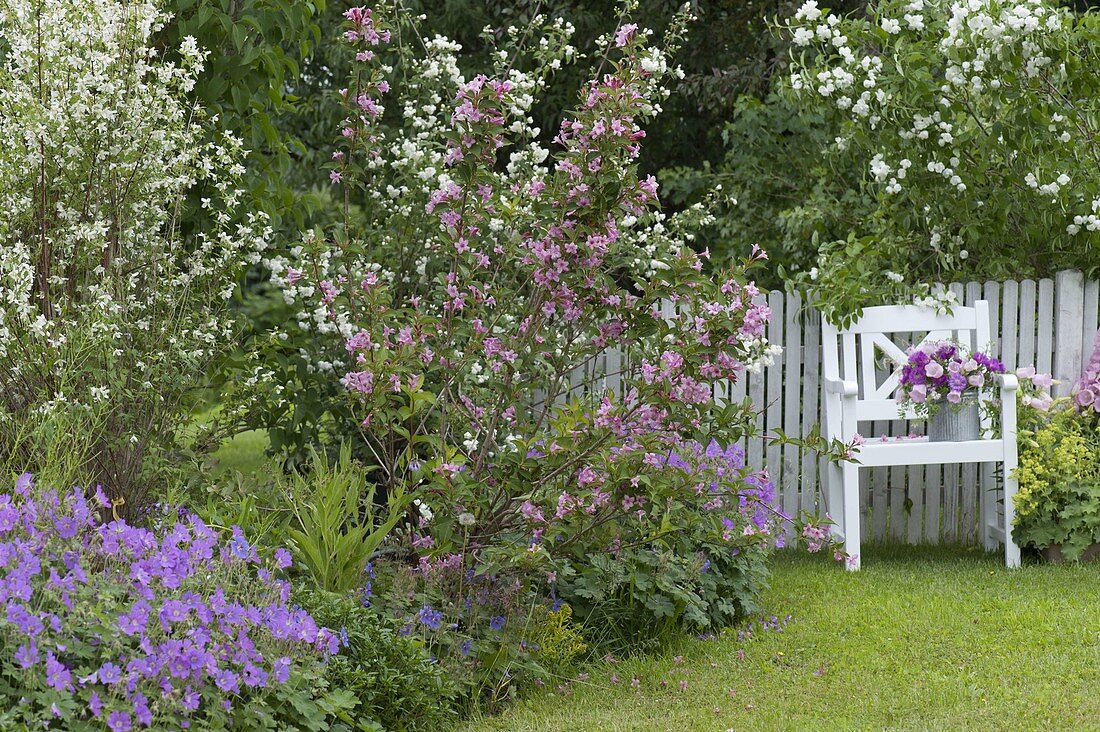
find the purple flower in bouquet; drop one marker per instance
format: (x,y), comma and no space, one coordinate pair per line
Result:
(945,372)
(989,363)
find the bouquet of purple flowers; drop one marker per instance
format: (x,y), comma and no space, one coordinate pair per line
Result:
(946,373)
(943,373)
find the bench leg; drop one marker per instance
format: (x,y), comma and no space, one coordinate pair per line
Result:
(851,514)
(1012,552)
(834,507)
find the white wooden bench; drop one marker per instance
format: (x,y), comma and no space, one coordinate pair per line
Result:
(853,394)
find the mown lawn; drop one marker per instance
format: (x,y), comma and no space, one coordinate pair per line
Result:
(921,639)
(244,453)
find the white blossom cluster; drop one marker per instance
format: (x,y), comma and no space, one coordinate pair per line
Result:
(941,301)
(769,352)
(101,148)
(933,78)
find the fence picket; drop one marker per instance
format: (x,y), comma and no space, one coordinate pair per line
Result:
(1026,351)
(792,408)
(1069,304)
(1010,324)
(1091,303)
(754,447)
(895,488)
(933,501)
(915,491)
(613,381)
(774,382)
(880,479)
(811,412)
(1044,342)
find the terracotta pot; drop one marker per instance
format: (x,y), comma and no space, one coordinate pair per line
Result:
(1053,553)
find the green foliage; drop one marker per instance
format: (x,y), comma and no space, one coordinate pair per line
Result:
(252,82)
(307,703)
(61,445)
(555,637)
(391,679)
(250,503)
(334,524)
(328,510)
(782,186)
(1059,497)
(492,633)
(971,131)
(641,596)
(318,414)
(854,272)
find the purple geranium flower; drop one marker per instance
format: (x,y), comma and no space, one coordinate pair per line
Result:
(429,617)
(109,673)
(119,722)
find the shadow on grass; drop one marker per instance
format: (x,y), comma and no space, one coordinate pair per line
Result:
(885,556)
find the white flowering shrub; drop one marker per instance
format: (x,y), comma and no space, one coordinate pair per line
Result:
(108,316)
(978,123)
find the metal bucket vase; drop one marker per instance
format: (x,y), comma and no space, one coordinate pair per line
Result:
(955,422)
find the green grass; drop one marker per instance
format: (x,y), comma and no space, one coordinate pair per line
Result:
(920,639)
(243,453)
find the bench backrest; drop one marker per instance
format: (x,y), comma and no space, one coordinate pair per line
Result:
(852,353)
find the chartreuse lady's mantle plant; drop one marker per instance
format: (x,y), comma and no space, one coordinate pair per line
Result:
(1059,498)
(111,626)
(975,123)
(108,314)
(474,290)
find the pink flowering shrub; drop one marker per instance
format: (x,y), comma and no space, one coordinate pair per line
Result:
(1086,392)
(111,626)
(473,295)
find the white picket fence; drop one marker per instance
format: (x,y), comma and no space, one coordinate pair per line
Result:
(1050,323)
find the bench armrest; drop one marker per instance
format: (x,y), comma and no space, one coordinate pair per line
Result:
(842,387)
(1007,382)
